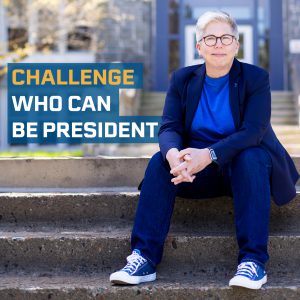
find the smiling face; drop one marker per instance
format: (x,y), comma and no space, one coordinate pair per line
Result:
(218,58)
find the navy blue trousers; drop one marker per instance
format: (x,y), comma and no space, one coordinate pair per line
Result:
(246,178)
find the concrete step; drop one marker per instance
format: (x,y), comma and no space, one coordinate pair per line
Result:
(282,97)
(290,138)
(71,172)
(150,112)
(282,100)
(293,149)
(86,209)
(158,102)
(168,286)
(283,105)
(284,120)
(151,107)
(104,249)
(285,113)
(284,110)
(153,97)
(286,129)
(74,172)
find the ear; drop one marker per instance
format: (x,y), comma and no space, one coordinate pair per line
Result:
(198,47)
(237,47)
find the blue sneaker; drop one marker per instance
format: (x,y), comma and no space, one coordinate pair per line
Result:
(136,271)
(249,275)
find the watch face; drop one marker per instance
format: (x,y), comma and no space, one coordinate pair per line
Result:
(213,154)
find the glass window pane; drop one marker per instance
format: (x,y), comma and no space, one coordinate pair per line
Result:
(17,38)
(242,10)
(263,54)
(173,55)
(173,17)
(173,4)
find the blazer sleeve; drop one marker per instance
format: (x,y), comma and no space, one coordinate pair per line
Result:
(172,124)
(256,119)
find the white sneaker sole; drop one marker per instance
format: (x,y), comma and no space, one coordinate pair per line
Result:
(247,283)
(121,277)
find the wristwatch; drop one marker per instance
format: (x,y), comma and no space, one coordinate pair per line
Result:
(213,155)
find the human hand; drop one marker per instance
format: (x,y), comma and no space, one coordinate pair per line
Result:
(194,161)
(174,161)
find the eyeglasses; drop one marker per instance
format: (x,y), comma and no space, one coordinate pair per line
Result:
(211,40)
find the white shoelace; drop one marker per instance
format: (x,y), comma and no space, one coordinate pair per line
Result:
(247,268)
(133,262)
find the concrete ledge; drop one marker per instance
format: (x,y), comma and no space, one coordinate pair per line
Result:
(71,172)
(75,172)
(81,210)
(168,286)
(105,249)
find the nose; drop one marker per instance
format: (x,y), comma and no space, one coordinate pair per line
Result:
(218,43)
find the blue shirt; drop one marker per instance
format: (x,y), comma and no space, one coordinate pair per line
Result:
(213,119)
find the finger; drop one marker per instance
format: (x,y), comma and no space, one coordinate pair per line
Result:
(176,174)
(179,177)
(189,170)
(187,157)
(183,180)
(177,181)
(180,181)
(182,153)
(186,175)
(180,167)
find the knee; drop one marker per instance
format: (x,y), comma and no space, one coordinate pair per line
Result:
(156,158)
(252,156)
(157,161)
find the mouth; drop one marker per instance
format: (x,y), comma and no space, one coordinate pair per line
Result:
(219,54)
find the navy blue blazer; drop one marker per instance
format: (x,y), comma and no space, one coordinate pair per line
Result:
(250,103)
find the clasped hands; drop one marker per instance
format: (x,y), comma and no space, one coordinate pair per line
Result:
(186,163)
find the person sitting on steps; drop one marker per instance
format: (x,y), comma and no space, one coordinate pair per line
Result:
(215,139)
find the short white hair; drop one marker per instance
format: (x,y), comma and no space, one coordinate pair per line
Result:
(215,16)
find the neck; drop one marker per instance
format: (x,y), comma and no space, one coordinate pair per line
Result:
(214,72)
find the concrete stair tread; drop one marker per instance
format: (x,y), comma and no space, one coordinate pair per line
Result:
(286,129)
(46,191)
(79,231)
(80,192)
(115,230)
(98,280)
(104,249)
(167,286)
(75,173)
(61,194)
(117,209)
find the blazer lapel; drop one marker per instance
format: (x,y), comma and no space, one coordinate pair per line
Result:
(194,90)
(234,92)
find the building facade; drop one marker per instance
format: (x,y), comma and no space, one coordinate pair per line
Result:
(74,31)
(158,33)
(265,27)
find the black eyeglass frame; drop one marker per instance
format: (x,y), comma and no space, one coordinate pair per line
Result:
(218,37)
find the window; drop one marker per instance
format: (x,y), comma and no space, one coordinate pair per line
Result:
(80,38)
(173,55)
(173,17)
(17,38)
